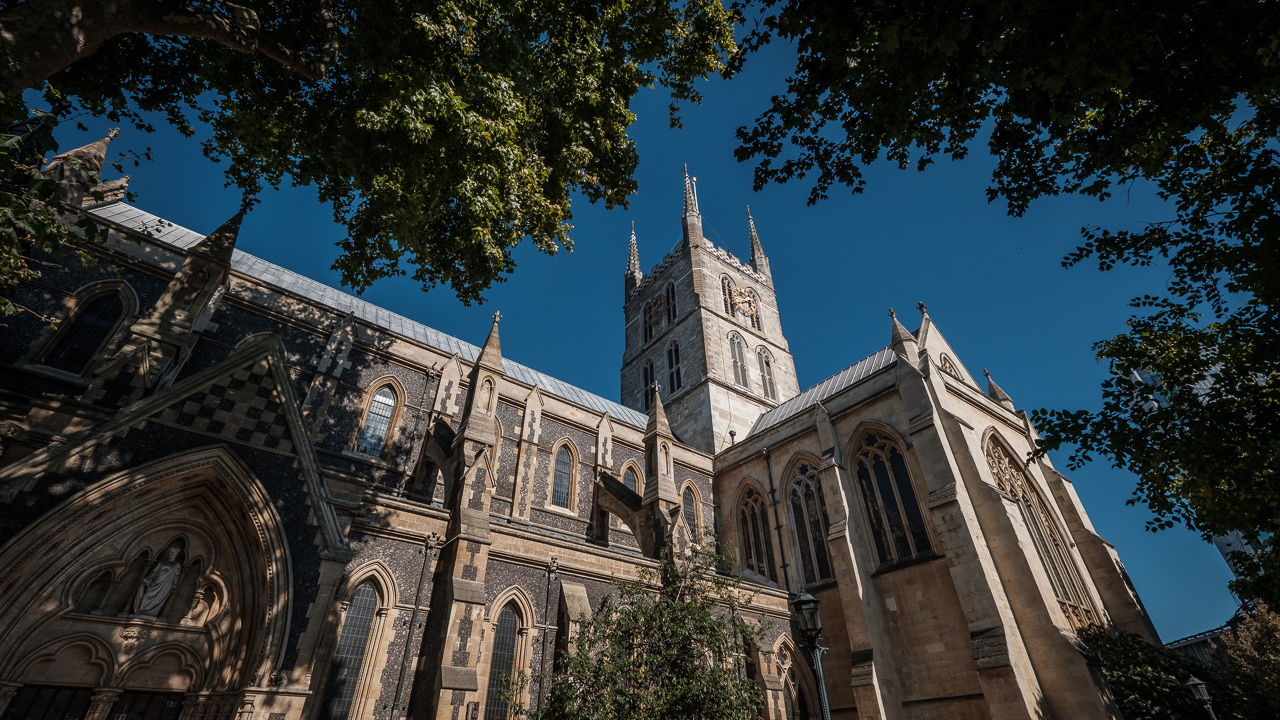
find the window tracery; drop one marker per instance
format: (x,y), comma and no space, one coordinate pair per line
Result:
(809,514)
(892,508)
(757,550)
(1046,535)
(671,302)
(755,316)
(651,316)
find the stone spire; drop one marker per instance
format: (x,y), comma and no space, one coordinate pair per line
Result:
(79,172)
(692,220)
(219,244)
(633,276)
(759,261)
(657,415)
(904,343)
(491,353)
(995,393)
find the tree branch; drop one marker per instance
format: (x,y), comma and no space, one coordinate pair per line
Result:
(42,37)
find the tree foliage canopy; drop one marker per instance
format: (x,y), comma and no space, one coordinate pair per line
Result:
(671,645)
(441,132)
(1088,98)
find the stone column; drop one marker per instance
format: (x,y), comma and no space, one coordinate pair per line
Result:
(103,700)
(8,690)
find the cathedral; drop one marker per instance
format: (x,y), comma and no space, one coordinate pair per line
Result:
(229,491)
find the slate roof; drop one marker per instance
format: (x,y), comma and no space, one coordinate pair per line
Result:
(841,381)
(131,218)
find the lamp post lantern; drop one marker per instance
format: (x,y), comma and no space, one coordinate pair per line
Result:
(810,622)
(1201,691)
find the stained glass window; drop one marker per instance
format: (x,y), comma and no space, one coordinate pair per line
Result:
(563,477)
(629,479)
(809,513)
(689,503)
(894,513)
(376,423)
(348,659)
(757,550)
(89,330)
(502,665)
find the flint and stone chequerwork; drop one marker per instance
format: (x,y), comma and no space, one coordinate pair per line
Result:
(228,491)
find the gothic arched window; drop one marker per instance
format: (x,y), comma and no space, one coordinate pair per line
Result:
(671,302)
(629,479)
(738,355)
(348,659)
(1051,546)
(377,422)
(726,289)
(646,384)
(650,321)
(766,374)
(757,550)
(809,513)
(755,316)
(76,346)
(689,504)
(892,508)
(673,367)
(562,483)
(502,665)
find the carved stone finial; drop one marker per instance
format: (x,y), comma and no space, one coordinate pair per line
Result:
(922,307)
(893,314)
(497,316)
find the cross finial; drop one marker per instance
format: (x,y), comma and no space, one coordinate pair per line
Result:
(893,314)
(655,387)
(497,316)
(922,307)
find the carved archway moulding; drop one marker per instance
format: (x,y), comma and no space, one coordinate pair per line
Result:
(226,633)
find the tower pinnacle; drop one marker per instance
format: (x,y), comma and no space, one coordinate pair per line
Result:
(692,220)
(759,261)
(633,276)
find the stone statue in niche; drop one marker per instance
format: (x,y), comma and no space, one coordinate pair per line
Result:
(158,584)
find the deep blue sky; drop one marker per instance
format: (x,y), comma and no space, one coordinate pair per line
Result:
(993,284)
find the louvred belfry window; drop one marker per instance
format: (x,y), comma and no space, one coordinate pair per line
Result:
(809,514)
(1051,545)
(738,356)
(766,374)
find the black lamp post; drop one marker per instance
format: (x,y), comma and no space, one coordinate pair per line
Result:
(1201,691)
(806,609)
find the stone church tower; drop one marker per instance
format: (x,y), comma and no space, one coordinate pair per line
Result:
(705,327)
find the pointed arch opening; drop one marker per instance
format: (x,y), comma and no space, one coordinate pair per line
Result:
(738,358)
(564,473)
(1046,534)
(191,543)
(893,509)
(383,405)
(93,317)
(809,520)
(755,542)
